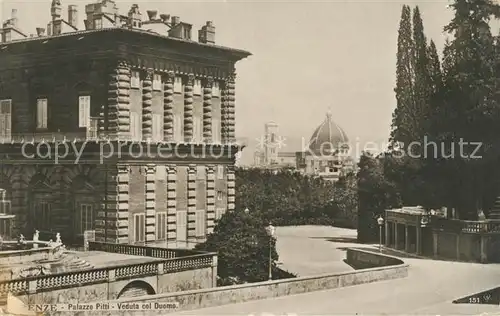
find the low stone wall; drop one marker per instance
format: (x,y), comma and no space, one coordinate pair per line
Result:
(189,300)
(359,259)
(12,257)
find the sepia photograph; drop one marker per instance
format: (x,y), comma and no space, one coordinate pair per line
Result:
(249,157)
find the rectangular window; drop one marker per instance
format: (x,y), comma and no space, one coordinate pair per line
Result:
(198,129)
(157,82)
(8,35)
(181,225)
(215,90)
(161,226)
(178,85)
(84,111)
(135,126)
(218,213)
(86,218)
(41,113)
(135,80)
(42,214)
(157,127)
(161,174)
(220,172)
(178,132)
(139,228)
(5,120)
(200,223)
(98,24)
(216,136)
(197,87)
(200,172)
(220,195)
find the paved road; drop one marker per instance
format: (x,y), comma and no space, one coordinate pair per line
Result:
(429,288)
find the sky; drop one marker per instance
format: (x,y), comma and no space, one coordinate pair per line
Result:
(308,57)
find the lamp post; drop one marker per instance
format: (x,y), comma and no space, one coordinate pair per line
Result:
(380,222)
(270,231)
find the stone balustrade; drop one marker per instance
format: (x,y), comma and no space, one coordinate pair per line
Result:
(174,260)
(455,225)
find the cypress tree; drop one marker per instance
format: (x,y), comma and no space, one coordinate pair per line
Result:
(401,120)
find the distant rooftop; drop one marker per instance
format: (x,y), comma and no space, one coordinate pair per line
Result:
(104,15)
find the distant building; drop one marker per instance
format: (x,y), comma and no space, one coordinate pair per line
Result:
(269,154)
(133,84)
(327,154)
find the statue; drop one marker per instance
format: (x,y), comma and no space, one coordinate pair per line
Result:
(35,239)
(21,239)
(58,239)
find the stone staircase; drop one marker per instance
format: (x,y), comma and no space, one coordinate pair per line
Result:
(68,261)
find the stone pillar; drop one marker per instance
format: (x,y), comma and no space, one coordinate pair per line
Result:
(112,218)
(207,110)
(407,240)
(396,235)
(119,100)
(168,106)
(231,191)
(387,233)
(210,199)
(484,249)
(231,110)
(171,203)
(147,102)
(224,112)
(214,271)
(150,203)
(419,241)
(188,108)
(191,195)
(435,242)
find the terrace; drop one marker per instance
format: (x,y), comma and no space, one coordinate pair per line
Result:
(110,267)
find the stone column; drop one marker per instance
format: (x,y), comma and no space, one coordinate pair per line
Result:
(150,203)
(419,240)
(119,100)
(147,102)
(207,110)
(435,243)
(191,195)
(188,108)
(484,249)
(168,106)
(396,236)
(387,233)
(407,240)
(171,203)
(231,191)
(210,199)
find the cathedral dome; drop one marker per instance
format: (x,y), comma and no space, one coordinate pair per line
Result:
(328,136)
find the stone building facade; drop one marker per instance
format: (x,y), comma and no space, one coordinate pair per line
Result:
(119,129)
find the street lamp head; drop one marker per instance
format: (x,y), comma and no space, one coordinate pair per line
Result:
(247,210)
(270,230)
(380,220)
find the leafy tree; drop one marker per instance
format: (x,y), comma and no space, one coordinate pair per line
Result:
(285,197)
(470,110)
(243,246)
(375,195)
